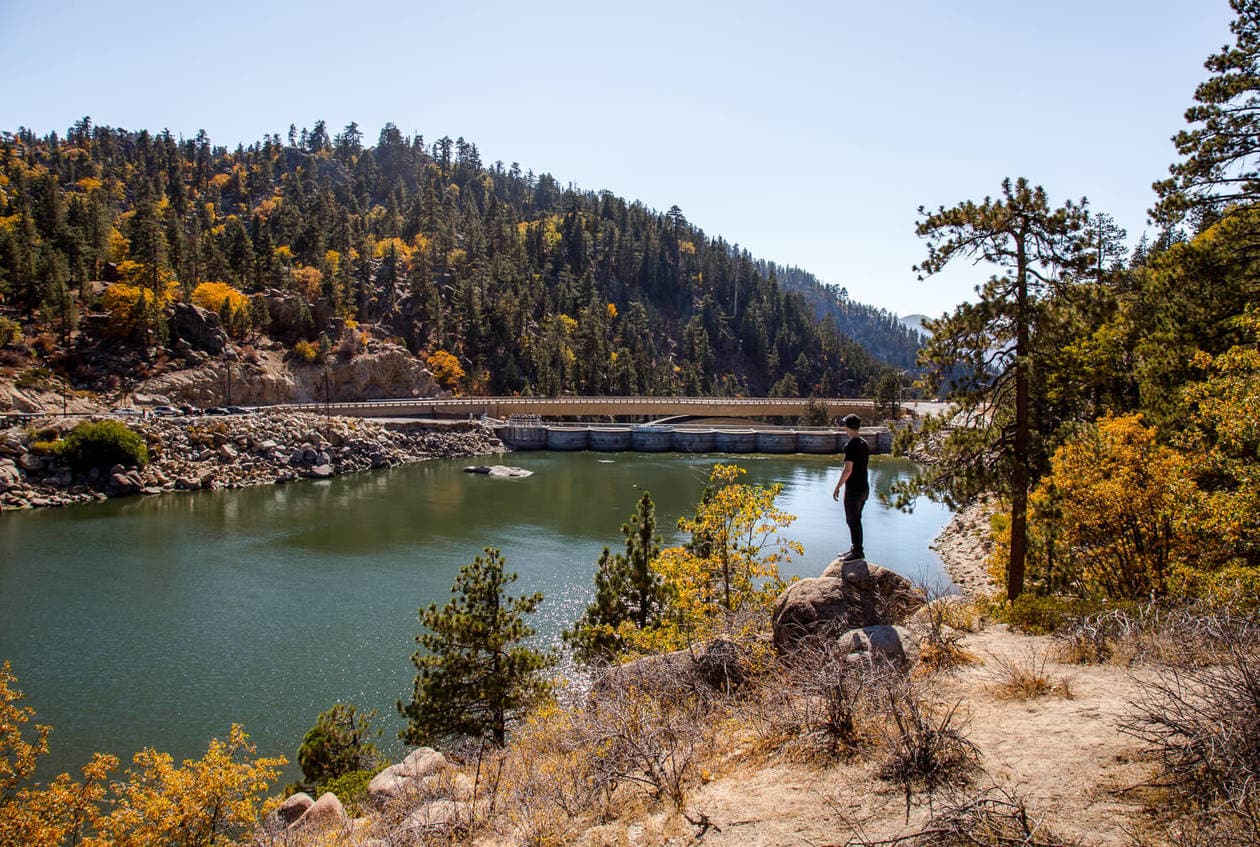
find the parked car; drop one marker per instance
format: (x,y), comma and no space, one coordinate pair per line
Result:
(127,412)
(239,410)
(215,410)
(166,411)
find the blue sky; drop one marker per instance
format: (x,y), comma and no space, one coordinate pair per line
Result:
(808,132)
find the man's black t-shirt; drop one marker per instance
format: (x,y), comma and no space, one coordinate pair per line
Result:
(858,452)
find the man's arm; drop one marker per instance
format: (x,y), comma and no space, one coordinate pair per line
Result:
(848,469)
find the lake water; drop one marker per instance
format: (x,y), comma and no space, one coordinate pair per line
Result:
(161,621)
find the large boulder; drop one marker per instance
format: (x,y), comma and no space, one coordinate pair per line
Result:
(408,776)
(200,328)
(294,807)
(324,814)
(849,595)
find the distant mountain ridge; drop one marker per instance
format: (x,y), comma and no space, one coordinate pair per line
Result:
(321,243)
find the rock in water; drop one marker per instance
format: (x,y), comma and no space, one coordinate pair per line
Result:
(498,470)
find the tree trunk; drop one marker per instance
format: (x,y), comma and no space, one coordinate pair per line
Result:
(1019,474)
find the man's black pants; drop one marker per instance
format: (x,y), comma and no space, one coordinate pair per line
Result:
(853,517)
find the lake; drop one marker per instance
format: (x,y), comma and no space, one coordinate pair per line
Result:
(161,621)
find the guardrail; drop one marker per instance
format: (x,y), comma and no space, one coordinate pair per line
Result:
(500,407)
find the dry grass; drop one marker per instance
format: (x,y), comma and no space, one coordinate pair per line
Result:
(1026,677)
(1200,716)
(993,818)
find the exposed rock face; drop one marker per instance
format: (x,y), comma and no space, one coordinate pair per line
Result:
(849,595)
(386,371)
(199,328)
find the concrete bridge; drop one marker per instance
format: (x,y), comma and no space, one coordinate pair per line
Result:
(614,407)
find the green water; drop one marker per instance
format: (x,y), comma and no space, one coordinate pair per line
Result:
(161,621)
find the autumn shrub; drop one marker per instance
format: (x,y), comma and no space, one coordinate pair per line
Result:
(1109,520)
(305,351)
(725,581)
(938,627)
(10,331)
(101,444)
(215,801)
(212,296)
(1035,614)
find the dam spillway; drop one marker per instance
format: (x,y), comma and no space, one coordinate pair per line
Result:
(534,434)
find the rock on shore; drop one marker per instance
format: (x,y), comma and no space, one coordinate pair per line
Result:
(190,454)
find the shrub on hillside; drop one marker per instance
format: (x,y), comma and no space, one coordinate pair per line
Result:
(102,444)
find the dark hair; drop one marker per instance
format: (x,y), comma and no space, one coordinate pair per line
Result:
(852,421)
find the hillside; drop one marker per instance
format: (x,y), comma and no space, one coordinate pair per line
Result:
(324,245)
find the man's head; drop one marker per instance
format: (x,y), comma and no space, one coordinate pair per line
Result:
(852,422)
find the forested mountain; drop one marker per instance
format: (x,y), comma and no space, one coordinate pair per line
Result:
(530,285)
(878,330)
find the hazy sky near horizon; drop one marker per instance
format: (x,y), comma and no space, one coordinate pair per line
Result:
(807,132)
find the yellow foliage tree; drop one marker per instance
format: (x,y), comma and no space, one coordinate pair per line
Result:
(1225,431)
(127,306)
(725,581)
(308,281)
(212,296)
(445,368)
(208,802)
(1109,519)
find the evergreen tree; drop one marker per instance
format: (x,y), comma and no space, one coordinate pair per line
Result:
(1039,249)
(339,743)
(1219,167)
(627,590)
(474,674)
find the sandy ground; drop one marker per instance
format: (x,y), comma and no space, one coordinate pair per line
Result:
(1063,755)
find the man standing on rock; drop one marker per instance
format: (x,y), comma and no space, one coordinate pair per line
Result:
(857,488)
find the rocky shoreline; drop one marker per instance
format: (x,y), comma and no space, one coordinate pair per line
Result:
(964,546)
(235,451)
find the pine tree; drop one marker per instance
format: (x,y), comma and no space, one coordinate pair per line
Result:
(339,743)
(474,675)
(627,590)
(1040,250)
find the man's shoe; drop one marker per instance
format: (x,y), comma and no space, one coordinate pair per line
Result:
(854,556)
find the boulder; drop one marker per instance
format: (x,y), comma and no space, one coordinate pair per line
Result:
(849,595)
(881,644)
(407,776)
(324,814)
(10,476)
(294,807)
(199,328)
(122,485)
